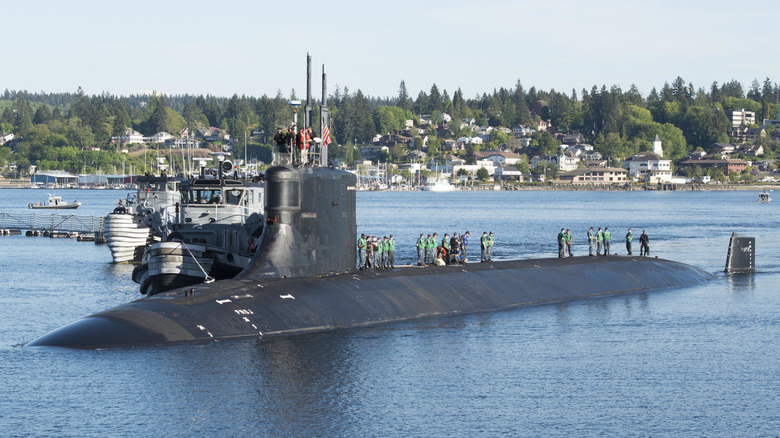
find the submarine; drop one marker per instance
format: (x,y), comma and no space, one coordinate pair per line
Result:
(303,279)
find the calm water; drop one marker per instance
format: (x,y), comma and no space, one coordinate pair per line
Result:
(700,361)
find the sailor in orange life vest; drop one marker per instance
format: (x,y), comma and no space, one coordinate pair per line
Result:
(304,139)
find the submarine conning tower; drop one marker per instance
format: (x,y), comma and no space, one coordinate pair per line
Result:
(311,225)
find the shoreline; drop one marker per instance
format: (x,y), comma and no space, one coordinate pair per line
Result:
(710,187)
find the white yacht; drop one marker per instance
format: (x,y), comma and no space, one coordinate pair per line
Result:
(438,185)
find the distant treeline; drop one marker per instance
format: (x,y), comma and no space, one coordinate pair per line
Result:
(58,130)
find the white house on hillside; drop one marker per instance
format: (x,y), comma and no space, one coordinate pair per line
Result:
(160,137)
(497,157)
(650,166)
(131,136)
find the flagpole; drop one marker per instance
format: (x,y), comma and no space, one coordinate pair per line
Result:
(324,129)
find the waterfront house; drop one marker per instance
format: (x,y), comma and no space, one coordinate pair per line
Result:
(595,175)
(725,165)
(506,173)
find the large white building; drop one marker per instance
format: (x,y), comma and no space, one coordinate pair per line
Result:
(650,166)
(742,117)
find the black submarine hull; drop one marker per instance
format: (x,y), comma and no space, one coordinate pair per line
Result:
(303,279)
(247,308)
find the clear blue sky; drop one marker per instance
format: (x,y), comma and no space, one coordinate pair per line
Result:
(255,48)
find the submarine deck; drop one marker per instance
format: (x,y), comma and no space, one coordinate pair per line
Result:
(252,307)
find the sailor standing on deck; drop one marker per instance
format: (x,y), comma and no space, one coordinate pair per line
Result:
(629,238)
(561,244)
(483,246)
(370,250)
(391,252)
(591,241)
(455,254)
(599,241)
(362,244)
(607,237)
(644,244)
(445,243)
(464,244)
(431,248)
(383,253)
(490,247)
(421,244)
(567,238)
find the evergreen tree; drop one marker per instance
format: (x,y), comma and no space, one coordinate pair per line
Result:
(755,91)
(403,97)
(159,118)
(435,100)
(42,115)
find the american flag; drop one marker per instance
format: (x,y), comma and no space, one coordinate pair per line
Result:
(326,136)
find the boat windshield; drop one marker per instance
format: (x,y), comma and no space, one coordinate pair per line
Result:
(234,197)
(202,196)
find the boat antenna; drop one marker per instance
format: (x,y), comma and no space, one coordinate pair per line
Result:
(324,118)
(307,108)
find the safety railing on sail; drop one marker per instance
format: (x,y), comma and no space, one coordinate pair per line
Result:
(51,222)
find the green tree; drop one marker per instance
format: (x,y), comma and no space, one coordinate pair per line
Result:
(498,138)
(433,146)
(548,145)
(388,119)
(158,121)
(121,123)
(483,174)
(403,98)
(42,115)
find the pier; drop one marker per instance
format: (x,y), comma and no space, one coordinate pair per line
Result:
(82,228)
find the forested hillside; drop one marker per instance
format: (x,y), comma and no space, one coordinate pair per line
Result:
(73,131)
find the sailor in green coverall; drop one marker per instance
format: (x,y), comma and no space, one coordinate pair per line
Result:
(599,241)
(629,238)
(490,247)
(431,249)
(561,244)
(591,241)
(391,252)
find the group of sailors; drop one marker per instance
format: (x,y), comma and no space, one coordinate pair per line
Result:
(451,250)
(292,140)
(599,241)
(375,252)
